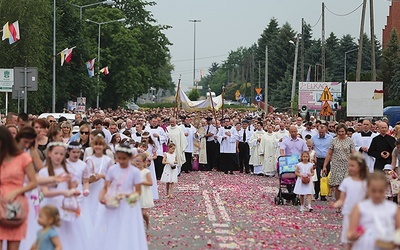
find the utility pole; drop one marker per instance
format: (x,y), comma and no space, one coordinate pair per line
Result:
(266,80)
(194,21)
(323,42)
(302,50)
(360,46)
(373,63)
(252,76)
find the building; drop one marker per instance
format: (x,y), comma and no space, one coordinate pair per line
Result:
(392,21)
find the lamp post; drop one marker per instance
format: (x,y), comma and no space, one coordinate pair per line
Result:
(194,21)
(98,53)
(54,59)
(108,2)
(294,69)
(345,64)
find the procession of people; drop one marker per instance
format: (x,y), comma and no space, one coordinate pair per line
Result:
(105,169)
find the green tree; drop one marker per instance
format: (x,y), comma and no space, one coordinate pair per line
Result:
(194,95)
(391,58)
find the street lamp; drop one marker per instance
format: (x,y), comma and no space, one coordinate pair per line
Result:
(54,59)
(194,21)
(345,64)
(294,69)
(98,52)
(108,2)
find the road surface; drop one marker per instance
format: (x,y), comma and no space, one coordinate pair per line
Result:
(212,210)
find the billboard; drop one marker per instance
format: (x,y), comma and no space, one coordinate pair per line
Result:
(310,93)
(364,99)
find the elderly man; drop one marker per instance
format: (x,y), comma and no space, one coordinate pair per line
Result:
(293,145)
(177,136)
(362,142)
(78,120)
(159,137)
(382,147)
(257,156)
(299,125)
(321,143)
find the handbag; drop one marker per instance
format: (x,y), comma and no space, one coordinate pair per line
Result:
(71,209)
(92,177)
(13,214)
(305,179)
(324,185)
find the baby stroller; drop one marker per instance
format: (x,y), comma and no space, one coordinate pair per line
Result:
(287,178)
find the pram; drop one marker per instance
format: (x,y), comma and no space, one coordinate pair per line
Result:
(287,178)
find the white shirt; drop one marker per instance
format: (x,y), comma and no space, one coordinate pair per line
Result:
(210,129)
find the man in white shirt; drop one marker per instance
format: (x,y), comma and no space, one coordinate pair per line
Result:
(308,131)
(159,137)
(98,125)
(189,130)
(211,146)
(299,125)
(245,134)
(227,137)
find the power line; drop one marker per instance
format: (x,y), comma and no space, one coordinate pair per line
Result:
(185,60)
(319,19)
(351,12)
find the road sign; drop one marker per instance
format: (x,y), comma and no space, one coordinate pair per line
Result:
(258,98)
(258,90)
(244,101)
(237,95)
(326,95)
(17,94)
(326,110)
(6,80)
(32,78)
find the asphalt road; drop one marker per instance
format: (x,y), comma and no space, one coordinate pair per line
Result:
(212,210)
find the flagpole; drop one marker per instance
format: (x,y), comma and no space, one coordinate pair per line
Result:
(176,97)
(212,104)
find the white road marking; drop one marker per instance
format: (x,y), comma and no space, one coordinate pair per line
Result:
(221,207)
(221,231)
(225,238)
(229,245)
(209,208)
(220,225)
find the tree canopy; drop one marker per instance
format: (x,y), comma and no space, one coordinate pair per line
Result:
(136,51)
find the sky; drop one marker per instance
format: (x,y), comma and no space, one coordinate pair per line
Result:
(229,24)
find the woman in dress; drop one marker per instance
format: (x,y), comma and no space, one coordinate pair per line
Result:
(14,165)
(340,148)
(115,140)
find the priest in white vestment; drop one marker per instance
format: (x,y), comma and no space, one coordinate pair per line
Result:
(268,149)
(177,136)
(362,140)
(256,159)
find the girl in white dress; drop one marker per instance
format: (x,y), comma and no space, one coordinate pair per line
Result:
(353,189)
(120,224)
(78,169)
(73,233)
(170,173)
(373,221)
(151,151)
(97,165)
(304,186)
(146,197)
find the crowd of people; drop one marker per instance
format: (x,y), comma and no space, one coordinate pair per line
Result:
(108,164)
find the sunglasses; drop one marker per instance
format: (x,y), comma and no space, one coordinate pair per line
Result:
(84,133)
(51,121)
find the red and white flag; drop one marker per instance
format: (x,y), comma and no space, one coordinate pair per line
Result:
(105,71)
(66,55)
